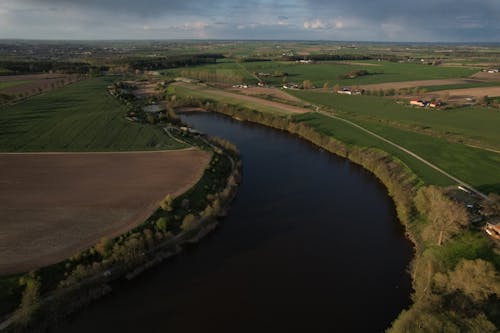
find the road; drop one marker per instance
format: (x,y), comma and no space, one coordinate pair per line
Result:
(409,152)
(294,109)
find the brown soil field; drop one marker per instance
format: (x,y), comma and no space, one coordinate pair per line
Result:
(485,76)
(38,83)
(31,77)
(53,205)
(251,99)
(274,92)
(469,92)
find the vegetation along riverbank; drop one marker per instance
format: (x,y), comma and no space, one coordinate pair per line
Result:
(37,300)
(454,271)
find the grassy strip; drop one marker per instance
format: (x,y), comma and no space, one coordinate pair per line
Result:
(79,117)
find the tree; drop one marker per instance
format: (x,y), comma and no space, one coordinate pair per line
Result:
(104,247)
(167,203)
(307,84)
(162,224)
(336,88)
(491,207)
(326,85)
(446,217)
(30,300)
(189,223)
(477,279)
(150,118)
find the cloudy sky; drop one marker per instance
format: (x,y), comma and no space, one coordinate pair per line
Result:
(363,20)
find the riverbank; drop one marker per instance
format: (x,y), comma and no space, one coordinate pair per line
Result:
(52,293)
(444,244)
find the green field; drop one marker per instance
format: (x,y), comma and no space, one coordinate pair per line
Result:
(9,84)
(348,134)
(328,71)
(79,117)
(231,71)
(477,167)
(476,123)
(379,72)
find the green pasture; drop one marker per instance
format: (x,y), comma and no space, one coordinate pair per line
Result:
(79,117)
(477,123)
(477,167)
(380,72)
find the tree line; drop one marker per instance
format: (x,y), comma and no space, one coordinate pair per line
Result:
(171,61)
(26,67)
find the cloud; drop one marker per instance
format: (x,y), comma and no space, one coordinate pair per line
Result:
(383,20)
(316,24)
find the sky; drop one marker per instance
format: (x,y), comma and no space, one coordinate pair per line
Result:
(336,20)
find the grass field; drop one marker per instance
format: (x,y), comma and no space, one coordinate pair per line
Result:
(224,68)
(379,72)
(330,71)
(476,123)
(4,85)
(479,168)
(79,117)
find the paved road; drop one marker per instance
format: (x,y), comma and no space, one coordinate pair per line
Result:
(409,152)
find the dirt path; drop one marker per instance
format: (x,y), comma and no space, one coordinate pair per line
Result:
(276,105)
(53,205)
(274,92)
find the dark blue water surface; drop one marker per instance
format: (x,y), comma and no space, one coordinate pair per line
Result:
(311,244)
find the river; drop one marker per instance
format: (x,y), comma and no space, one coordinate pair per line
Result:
(311,243)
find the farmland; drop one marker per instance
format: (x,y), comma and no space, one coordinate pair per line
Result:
(320,73)
(478,124)
(82,197)
(234,99)
(79,117)
(477,167)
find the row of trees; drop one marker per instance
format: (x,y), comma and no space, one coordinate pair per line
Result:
(26,67)
(170,62)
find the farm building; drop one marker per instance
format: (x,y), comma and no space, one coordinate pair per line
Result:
(290,86)
(349,91)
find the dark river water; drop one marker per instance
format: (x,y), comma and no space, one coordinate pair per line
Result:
(311,244)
